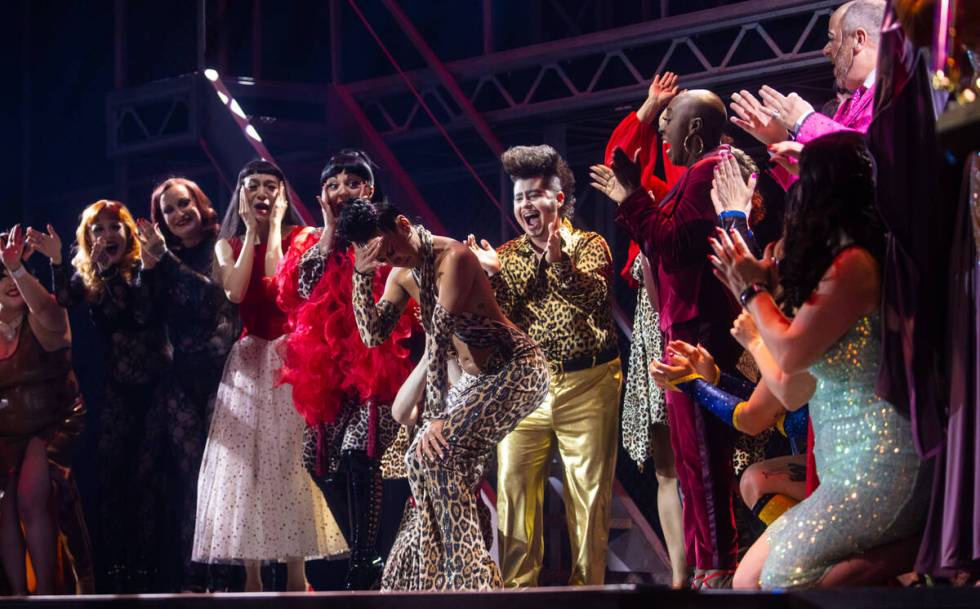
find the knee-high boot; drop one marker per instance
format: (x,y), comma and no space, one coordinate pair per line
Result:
(364,501)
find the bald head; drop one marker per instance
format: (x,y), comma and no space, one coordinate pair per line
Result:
(692,124)
(852,46)
(864,15)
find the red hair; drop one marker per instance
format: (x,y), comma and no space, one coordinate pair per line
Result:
(209,217)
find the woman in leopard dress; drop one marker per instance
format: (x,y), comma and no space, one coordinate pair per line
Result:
(506,378)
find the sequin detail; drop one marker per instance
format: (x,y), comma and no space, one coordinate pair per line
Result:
(872,486)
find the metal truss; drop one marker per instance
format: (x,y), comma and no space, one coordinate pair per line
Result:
(727,45)
(153,117)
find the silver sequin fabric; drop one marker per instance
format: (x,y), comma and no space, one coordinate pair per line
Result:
(873,489)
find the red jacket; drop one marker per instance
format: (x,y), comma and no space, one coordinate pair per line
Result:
(673,234)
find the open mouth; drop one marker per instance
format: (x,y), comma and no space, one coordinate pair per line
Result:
(112,249)
(261,207)
(12,293)
(532,219)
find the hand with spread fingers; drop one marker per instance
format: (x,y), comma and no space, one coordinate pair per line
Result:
(752,117)
(152,243)
(735,266)
(784,109)
(662,89)
(432,444)
(485,254)
(787,155)
(49,243)
(604,180)
(728,191)
(279,205)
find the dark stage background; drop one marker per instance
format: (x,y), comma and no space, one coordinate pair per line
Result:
(104,103)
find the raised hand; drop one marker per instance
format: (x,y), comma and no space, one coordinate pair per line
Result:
(552,251)
(279,205)
(662,90)
(627,172)
(153,245)
(753,118)
(604,180)
(12,248)
(245,211)
(489,260)
(366,256)
(787,155)
(728,191)
(784,109)
(329,217)
(98,254)
(49,243)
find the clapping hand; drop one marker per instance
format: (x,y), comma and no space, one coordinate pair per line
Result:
(627,172)
(787,155)
(784,109)
(728,191)
(552,251)
(489,260)
(735,266)
(604,180)
(754,119)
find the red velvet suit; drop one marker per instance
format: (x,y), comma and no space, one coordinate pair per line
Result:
(695,307)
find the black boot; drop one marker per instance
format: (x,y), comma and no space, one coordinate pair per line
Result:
(364,497)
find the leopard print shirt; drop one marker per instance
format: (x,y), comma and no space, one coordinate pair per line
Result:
(565,307)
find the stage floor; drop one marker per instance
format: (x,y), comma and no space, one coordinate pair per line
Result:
(605,597)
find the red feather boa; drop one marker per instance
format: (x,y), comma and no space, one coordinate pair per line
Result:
(323,357)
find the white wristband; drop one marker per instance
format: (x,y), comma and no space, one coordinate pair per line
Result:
(20,272)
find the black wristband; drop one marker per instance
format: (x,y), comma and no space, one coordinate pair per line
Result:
(751,292)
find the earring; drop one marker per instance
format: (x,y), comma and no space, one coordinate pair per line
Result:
(700,145)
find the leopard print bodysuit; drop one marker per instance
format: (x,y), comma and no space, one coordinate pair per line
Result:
(443,547)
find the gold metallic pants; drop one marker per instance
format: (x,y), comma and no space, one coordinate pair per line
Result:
(581,412)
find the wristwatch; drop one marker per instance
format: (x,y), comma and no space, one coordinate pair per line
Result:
(751,292)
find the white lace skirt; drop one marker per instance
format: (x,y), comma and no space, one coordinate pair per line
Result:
(254,499)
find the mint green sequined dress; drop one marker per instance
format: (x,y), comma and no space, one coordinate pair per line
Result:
(872,489)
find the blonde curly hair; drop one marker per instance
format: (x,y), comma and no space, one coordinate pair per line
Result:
(82,261)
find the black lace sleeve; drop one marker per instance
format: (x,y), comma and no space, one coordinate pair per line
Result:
(67,285)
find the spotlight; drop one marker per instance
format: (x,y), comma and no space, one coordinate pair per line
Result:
(211,74)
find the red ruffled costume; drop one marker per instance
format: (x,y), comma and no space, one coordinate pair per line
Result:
(323,358)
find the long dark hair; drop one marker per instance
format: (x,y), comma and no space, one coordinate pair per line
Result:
(361,220)
(232,224)
(832,206)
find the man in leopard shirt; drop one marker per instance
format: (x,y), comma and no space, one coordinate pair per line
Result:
(554,283)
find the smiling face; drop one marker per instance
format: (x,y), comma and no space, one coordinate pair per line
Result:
(10,297)
(674,129)
(181,214)
(340,188)
(107,229)
(537,202)
(261,190)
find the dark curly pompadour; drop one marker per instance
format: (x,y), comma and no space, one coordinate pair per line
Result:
(522,162)
(362,219)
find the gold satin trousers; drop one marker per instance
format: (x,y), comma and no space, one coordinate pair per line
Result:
(581,415)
